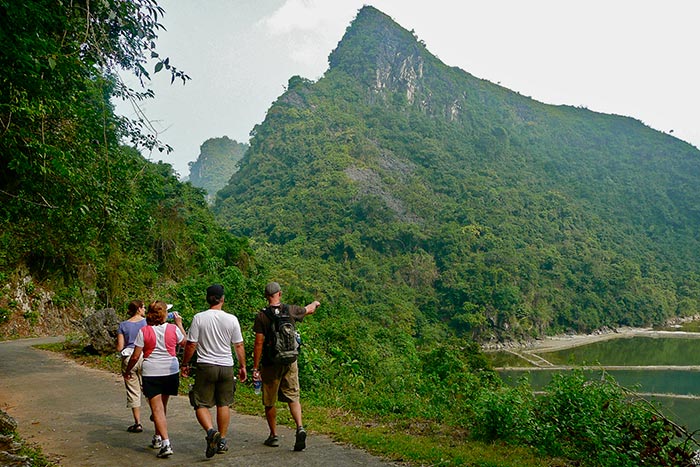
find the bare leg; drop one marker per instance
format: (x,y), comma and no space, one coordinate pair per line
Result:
(271,416)
(295,411)
(136,412)
(204,418)
(158,404)
(223,418)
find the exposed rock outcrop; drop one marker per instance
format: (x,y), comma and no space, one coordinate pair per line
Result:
(8,446)
(101,329)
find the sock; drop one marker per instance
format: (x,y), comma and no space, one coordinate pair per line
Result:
(166,442)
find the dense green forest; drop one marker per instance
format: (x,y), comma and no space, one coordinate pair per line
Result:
(420,205)
(417,191)
(84,217)
(217,161)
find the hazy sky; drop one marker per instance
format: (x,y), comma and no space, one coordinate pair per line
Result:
(637,58)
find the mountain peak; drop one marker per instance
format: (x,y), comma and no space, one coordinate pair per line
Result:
(380,53)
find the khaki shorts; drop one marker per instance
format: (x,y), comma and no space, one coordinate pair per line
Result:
(133,384)
(280,382)
(214,385)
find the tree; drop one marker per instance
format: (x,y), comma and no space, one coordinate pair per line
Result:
(66,182)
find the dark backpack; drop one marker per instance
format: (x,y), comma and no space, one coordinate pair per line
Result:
(281,342)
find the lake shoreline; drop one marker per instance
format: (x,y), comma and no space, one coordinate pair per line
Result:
(567,341)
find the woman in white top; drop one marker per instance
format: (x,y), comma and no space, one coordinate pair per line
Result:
(158,343)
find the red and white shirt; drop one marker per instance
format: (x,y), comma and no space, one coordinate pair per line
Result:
(159,349)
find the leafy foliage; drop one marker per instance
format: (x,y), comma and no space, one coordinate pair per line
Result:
(77,208)
(593,422)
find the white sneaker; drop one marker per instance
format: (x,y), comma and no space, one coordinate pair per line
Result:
(157,442)
(165,451)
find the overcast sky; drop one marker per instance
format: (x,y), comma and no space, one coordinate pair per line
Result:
(637,58)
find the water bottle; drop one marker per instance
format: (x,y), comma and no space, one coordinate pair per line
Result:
(257,385)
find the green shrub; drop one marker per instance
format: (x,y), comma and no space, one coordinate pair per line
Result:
(32,316)
(594,422)
(505,413)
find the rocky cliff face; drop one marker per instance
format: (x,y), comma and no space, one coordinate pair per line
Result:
(401,74)
(29,309)
(392,62)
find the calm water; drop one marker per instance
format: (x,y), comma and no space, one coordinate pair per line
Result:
(669,386)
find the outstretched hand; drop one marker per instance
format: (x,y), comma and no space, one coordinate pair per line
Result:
(311,307)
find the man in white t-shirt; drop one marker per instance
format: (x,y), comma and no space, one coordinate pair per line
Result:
(211,334)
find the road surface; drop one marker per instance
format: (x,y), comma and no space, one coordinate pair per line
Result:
(79,418)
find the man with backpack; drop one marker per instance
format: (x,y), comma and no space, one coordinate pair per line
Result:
(275,360)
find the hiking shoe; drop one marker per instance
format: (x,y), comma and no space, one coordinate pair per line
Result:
(165,451)
(156,442)
(135,428)
(300,443)
(223,446)
(213,438)
(272,441)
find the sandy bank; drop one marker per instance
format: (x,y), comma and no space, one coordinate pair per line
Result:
(574,340)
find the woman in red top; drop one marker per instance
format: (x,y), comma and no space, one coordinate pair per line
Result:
(158,343)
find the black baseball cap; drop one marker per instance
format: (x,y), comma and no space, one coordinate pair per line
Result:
(215,290)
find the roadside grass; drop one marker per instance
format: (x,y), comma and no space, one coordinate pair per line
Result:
(33,453)
(412,442)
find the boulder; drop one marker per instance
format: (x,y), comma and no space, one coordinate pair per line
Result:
(13,460)
(101,329)
(8,446)
(7,423)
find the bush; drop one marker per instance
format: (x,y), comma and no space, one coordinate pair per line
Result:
(597,424)
(505,413)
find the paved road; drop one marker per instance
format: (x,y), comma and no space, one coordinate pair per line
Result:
(78,416)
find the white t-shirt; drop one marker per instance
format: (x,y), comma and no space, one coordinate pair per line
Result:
(214,331)
(159,362)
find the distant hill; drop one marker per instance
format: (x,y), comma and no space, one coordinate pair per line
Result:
(422,195)
(215,164)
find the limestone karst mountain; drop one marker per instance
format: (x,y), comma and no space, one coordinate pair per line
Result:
(410,187)
(217,161)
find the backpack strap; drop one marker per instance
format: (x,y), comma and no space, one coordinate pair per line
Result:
(268,311)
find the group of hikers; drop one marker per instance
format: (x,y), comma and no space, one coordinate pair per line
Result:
(148,345)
